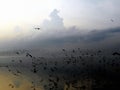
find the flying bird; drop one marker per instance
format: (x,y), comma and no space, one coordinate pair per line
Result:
(111,20)
(116,53)
(17,53)
(27,54)
(37,28)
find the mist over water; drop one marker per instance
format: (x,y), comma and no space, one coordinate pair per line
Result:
(66,69)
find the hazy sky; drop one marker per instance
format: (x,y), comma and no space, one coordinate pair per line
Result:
(88,14)
(61,21)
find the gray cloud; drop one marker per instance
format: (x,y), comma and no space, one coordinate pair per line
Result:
(55,21)
(54,35)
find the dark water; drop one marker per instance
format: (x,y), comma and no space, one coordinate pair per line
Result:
(63,70)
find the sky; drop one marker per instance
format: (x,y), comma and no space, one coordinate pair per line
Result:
(18,18)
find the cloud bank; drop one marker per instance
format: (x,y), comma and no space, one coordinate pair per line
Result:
(54,34)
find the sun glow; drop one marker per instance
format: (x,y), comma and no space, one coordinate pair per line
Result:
(20,12)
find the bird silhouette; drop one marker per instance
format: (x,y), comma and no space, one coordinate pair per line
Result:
(17,53)
(116,53)
(11,85)
(27,54)
(37,28)
(111,20)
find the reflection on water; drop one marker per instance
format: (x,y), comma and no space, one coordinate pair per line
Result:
(68,70)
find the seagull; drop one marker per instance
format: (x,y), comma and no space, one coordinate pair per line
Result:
(37,28)
(17,53)
(27,54)
(112,20)
(116,53)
